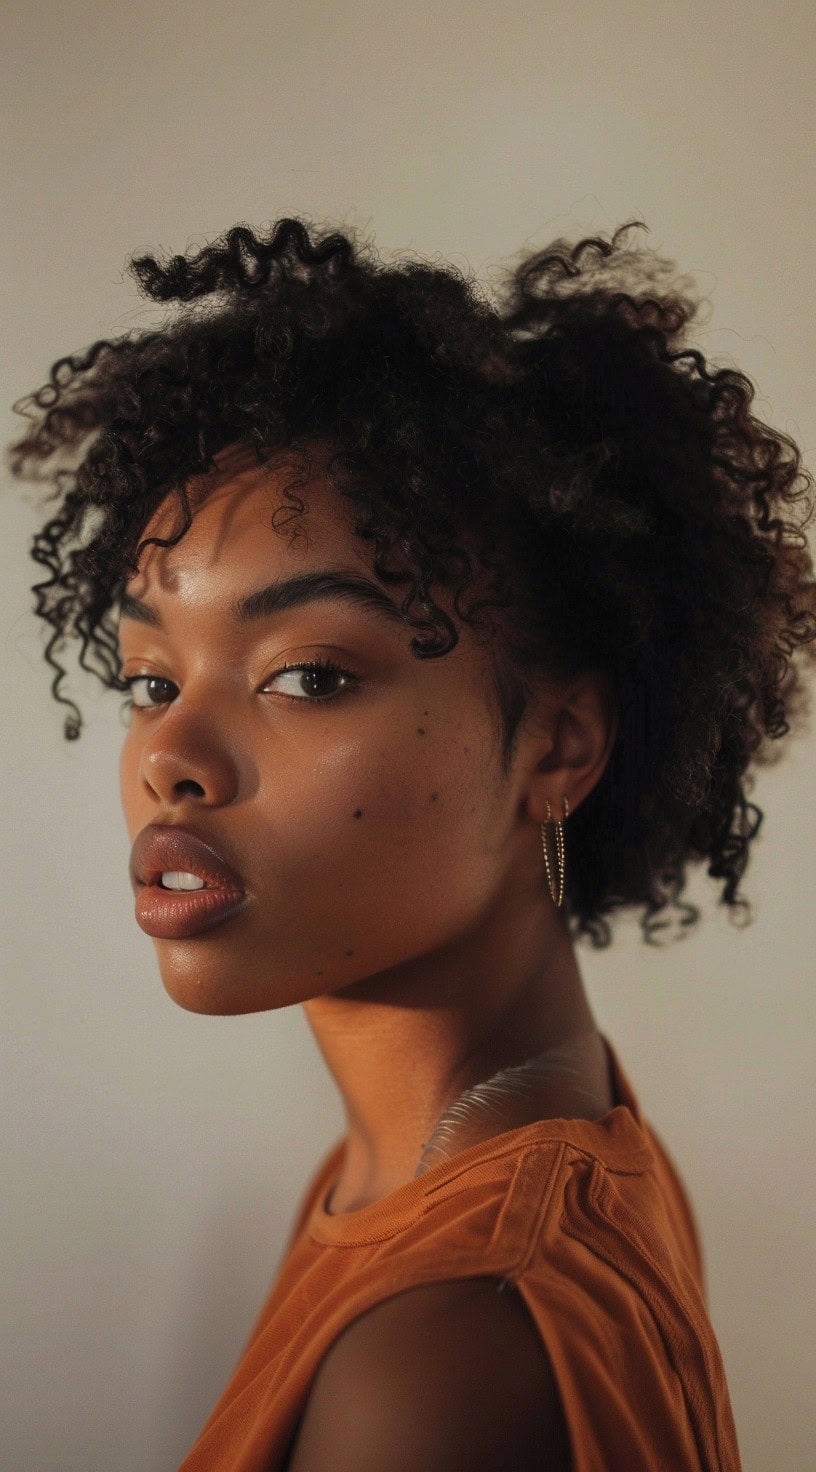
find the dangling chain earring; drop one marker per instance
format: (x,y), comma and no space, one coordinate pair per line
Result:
(559,848)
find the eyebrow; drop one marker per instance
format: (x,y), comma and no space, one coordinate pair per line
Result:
(320,586)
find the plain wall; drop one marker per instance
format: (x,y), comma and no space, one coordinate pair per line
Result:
(153,1158)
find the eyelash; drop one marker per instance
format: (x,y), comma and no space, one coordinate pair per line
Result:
(314,664)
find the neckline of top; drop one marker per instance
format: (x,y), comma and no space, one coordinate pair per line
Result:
(617,1138)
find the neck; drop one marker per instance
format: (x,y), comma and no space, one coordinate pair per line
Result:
(402,1045)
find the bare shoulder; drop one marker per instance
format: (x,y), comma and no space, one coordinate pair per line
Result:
(446,1377)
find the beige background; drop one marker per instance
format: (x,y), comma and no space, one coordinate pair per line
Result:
(152,1158)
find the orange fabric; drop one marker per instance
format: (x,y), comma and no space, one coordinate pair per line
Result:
(590,1221)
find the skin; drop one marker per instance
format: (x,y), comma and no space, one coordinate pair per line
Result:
(397,882)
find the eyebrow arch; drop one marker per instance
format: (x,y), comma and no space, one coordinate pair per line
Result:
(309,587)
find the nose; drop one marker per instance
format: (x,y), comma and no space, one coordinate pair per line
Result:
(184,758)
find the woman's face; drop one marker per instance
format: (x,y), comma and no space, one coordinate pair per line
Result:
(370,826)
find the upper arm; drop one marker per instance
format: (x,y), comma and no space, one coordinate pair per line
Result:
(447,1377)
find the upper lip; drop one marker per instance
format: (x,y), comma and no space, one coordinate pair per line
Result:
(164,847)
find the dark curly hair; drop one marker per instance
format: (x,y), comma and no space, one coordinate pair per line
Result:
(621,496)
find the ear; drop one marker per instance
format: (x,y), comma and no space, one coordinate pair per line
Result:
(570,735)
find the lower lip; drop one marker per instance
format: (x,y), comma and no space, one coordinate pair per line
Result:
(176,914)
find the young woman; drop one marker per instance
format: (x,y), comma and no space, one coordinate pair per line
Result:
(449,627)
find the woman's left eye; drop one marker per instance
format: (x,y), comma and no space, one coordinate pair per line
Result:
(315,670)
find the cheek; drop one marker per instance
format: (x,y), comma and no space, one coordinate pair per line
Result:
(128,769)
(345,810)
(402,824)
(397,792)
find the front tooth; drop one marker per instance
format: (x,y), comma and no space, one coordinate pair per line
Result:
(178,880)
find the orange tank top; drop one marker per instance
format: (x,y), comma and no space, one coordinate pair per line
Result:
(589,1220)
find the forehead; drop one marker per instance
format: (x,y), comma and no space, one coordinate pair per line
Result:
(243,522)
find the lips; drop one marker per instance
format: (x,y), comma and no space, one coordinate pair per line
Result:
(162,848)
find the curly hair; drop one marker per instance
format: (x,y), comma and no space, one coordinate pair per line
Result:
(620,495)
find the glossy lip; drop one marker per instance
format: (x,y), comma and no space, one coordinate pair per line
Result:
(163,847)
(169,914)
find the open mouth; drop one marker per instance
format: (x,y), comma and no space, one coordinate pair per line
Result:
(181,882)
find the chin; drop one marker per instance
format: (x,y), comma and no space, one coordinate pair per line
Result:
(196,995)
(199,1000)
(217,996)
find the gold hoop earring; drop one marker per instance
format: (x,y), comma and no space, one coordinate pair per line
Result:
(559,849)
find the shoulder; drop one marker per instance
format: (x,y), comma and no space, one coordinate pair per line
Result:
(446,1377)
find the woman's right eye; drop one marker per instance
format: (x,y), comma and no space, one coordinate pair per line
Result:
(133,680)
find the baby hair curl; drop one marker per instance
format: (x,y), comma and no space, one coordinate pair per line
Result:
(619,493)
